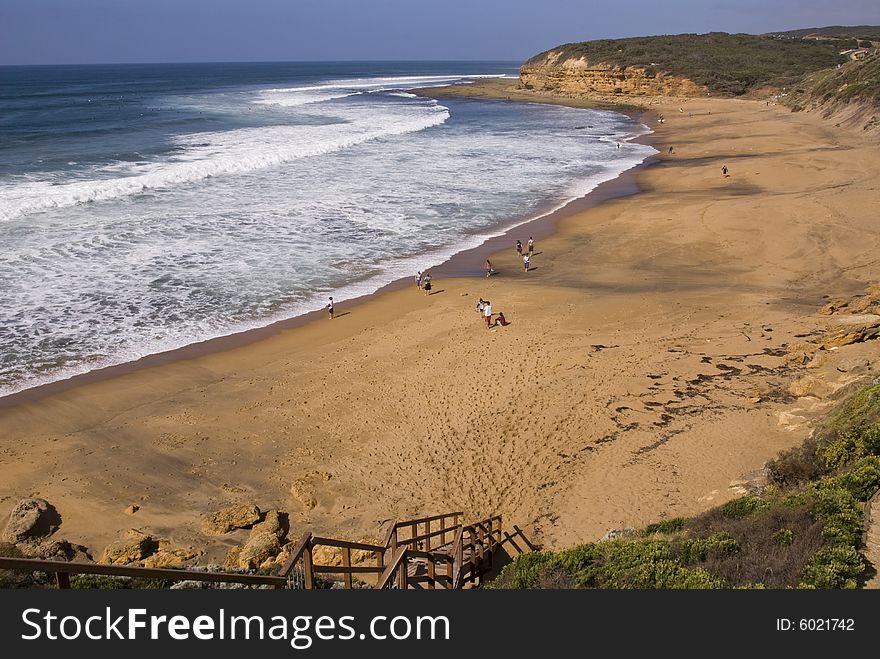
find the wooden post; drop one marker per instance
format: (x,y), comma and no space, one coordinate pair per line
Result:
(403,574)
(428,533)
(63,580)
(414,532)
(432,572)
(442,531)
(308,578)
(346,562)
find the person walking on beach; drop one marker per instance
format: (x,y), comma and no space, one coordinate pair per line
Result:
(480,306)
(330,308)
(724,171)
(419,280)
(487,314)
(427,285)
(531,245)
(489,269)
(526,262)
(519,247)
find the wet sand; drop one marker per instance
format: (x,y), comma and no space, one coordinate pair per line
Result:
(641,375)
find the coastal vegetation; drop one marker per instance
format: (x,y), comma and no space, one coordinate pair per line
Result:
(803,531)
(736,64)
(853,82)
(727,64)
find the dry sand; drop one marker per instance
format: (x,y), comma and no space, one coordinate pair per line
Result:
(642,373)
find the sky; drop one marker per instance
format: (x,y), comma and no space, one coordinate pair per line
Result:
(118,31)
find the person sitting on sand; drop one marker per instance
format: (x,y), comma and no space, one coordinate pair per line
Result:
(501,320)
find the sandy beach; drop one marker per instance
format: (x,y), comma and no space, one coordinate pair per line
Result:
(643,373)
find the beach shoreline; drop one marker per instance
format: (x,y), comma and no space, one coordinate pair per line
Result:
(643,373)
(464,263)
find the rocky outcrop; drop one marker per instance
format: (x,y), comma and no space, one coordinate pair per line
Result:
(31,518)
(575,77)
(260,547)
(132,548)
(236,517)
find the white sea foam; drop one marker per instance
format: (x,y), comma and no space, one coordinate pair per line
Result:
(207,155)
(267,221)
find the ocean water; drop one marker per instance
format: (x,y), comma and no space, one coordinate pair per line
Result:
(147,207)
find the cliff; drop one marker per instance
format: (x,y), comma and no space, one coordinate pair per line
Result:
(573,77)
(682,64)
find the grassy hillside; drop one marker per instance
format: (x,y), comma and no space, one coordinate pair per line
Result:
(729,64)
(805,532)
(852,82)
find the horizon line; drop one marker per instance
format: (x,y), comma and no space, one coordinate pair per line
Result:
(305,61)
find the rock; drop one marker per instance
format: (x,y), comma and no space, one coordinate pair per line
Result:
(323,555)
(132,509)
(258,549)
(231,562)
(856,334)
(811,386)
(303,488)
(799,353)
(170,558)
(50,549)
(616,534)
(236,517)
(854,365)
(129,550)
(833,307)
(31,518)
(272,523)
(284,554)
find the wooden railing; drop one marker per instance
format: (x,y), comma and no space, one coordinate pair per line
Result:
(62,571)
(438,550)
(407,533)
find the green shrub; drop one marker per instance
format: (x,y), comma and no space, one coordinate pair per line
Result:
(833,567)
(783,537)
(861,480)
(667,527)
(743,507)
(840,511)
(98,582)
(693,550)
(524,572)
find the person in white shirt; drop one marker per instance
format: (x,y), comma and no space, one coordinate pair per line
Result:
(487,313)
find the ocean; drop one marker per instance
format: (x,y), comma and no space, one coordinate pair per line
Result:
(147,207)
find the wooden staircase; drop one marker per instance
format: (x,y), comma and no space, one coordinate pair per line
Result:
(426,553)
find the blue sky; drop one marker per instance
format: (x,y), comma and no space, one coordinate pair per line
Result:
(110,31)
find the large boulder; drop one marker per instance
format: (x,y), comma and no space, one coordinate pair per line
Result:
(51,549)
(170,558)
(259,548)
(236,517)
(272,523)
(135,546)
(31,518)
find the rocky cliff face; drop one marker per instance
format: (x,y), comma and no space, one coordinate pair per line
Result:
(578,76)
